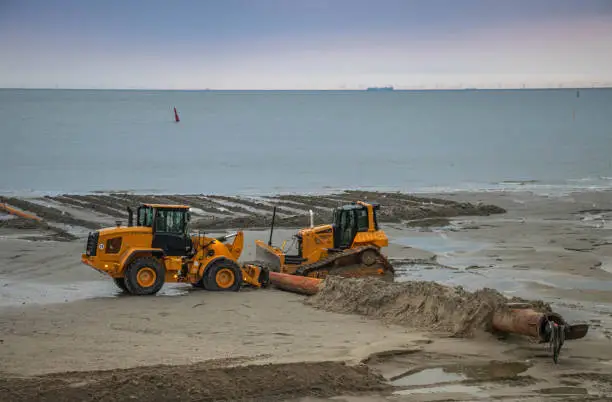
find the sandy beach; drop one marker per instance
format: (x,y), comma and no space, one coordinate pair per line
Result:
(66,333)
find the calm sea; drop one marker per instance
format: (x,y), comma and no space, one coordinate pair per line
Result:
(78,141)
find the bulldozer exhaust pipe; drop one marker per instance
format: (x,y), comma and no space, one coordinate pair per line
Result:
(272,226)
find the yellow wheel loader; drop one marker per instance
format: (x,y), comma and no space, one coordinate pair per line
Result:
(349,247)
(141,258)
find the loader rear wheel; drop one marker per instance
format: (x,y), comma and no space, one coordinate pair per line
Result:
(144,276)
(222,275)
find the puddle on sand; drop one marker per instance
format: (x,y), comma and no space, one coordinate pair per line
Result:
(427,377)
(455,253)
(458,372)
(448,379)
(563,391)
(505,280)
(606,265)
(19,293)
(446,389)
(440,244)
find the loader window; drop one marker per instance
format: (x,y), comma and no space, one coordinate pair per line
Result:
(170,221)
(145,216)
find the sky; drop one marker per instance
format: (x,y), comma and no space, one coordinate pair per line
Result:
(304,44)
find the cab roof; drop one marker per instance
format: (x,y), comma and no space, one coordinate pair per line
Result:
(166,206)
(357,205)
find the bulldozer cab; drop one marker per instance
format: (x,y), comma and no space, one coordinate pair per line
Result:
(350,219)
(170,227)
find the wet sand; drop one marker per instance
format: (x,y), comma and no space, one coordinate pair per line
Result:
(57,315)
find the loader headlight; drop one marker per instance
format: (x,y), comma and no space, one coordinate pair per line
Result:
(113,245)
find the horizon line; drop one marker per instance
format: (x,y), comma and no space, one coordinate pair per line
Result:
(379,89)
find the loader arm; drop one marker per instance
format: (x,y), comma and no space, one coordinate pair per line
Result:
(237,245)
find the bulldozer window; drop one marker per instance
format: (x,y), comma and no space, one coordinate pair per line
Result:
(170,221)
(375,211)
(363,222)
(346,229)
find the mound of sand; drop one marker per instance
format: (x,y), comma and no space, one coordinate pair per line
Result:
(197,382)
(424,305)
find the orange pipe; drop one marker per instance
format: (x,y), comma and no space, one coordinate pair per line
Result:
(525,322)
(17,212)
(295,283)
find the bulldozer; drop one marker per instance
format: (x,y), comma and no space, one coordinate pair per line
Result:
(349,247)
(141,258)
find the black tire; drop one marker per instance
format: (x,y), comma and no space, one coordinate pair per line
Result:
(120,282)
(132,273)
(210,274)
(264,277)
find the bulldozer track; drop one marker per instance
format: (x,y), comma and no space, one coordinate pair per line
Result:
(327,264)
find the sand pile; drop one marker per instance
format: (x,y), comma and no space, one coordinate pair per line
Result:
(197,382)
(419,304)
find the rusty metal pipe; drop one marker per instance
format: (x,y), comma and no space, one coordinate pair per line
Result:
(525,321)
(295,283)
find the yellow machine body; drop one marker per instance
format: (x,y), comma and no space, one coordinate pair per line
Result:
(158,249)
(349,247)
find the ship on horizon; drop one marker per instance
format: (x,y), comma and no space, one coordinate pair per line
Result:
(371,89)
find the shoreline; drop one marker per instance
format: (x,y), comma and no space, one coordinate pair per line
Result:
(567,87)
(561,187)
(70,216)
(555,249)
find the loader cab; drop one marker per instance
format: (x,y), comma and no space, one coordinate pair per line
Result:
(170,227)
(350,219)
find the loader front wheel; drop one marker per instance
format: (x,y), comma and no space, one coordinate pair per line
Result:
(223,275)
(144,276)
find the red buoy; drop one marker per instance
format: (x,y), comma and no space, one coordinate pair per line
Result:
(176,118)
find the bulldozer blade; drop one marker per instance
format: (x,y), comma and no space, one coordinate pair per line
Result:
(266,255)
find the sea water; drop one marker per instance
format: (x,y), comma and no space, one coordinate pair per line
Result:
(269,142)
